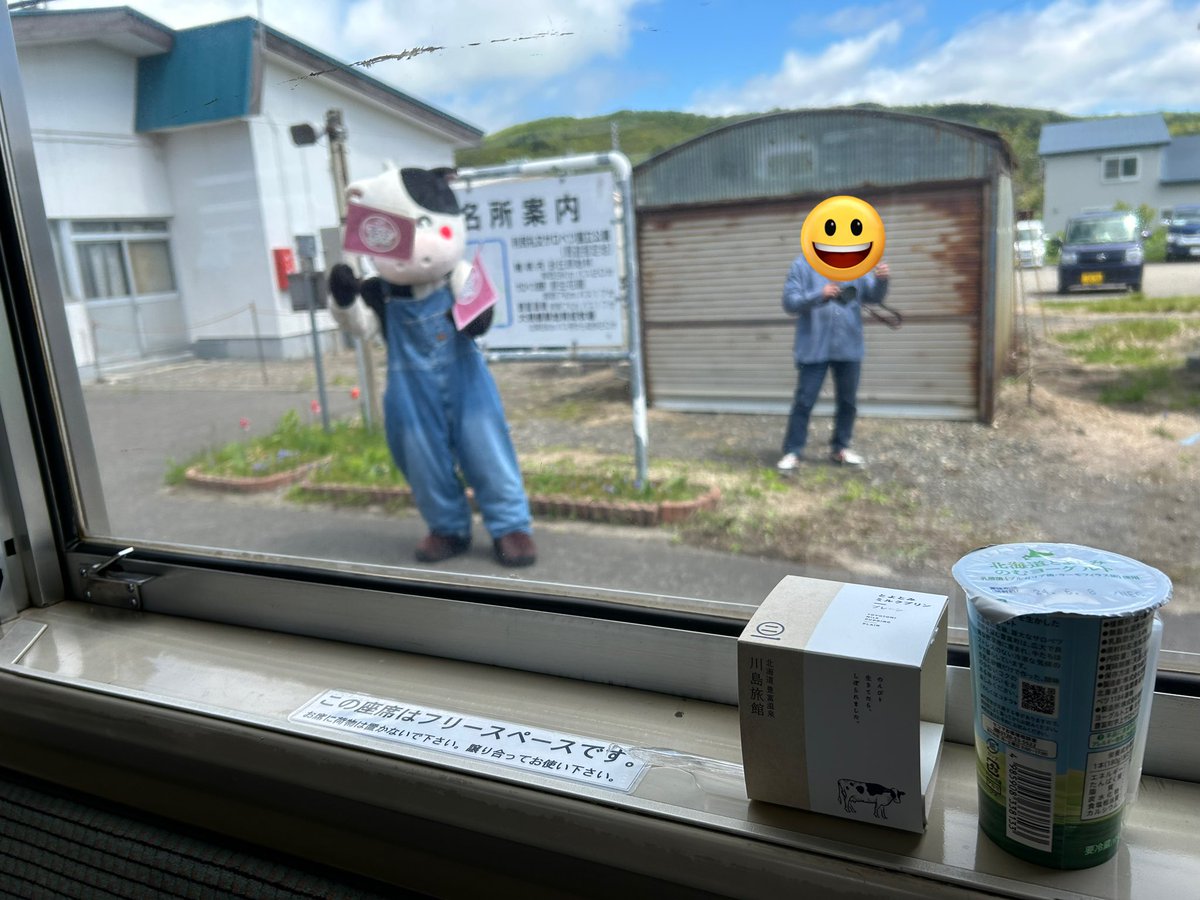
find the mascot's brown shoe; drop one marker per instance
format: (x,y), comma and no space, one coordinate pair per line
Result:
(436,547)
(515,549)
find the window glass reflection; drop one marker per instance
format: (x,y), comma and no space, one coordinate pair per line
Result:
(196,189)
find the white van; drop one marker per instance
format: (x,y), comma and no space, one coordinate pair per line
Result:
(1030,243)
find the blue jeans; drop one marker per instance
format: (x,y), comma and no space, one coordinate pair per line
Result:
(442,415)
(845,386)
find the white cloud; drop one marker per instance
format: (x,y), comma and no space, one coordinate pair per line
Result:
(814,80)
(1077,57)
(495,56)
(855,19)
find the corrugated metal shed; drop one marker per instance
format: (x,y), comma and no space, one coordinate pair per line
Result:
(719,220)
(1181,160)
(816,152)
(1103,134)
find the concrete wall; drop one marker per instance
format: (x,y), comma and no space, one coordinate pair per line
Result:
(223,261)
(90,161)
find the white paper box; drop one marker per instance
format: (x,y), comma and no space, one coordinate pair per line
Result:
(842,695)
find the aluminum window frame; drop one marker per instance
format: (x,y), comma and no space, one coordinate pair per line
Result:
(1121,159)
(49,479)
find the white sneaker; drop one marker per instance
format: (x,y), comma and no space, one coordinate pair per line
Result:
(789,462)
(847,457)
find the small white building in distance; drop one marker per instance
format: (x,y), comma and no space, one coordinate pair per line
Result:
(171,182)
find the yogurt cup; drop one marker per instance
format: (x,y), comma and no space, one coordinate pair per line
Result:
(1060,648)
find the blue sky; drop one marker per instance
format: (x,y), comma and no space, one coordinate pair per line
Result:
(536,58)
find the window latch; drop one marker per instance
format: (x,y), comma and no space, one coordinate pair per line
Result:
(107,584)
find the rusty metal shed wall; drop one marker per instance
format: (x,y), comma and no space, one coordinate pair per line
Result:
(718,338)
(719,221)
(827,151)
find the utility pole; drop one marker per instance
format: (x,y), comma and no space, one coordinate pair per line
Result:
(335,130)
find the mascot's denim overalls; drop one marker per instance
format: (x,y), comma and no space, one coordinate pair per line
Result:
(440,394)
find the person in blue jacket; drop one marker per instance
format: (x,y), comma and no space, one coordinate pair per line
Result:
(829,336)
(442,411)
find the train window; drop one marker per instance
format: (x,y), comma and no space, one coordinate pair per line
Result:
(283,409)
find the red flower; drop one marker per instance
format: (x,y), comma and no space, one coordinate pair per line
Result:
(354,392)
(244,423)
(315,406)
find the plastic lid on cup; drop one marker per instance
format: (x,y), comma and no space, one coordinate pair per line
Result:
(1008,580)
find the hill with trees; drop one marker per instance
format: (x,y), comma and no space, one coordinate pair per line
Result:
(641,135)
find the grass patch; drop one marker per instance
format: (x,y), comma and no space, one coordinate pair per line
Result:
(861,491)
(1132,344)
(1132,303)
(292,443)
(609,480)
(362,458)
(1137,387)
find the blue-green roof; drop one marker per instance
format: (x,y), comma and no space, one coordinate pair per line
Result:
(207,77)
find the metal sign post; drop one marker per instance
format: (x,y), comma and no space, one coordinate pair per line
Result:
(632,351)
(339,171)
(306,250)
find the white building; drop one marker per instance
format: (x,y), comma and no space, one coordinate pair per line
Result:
(171,182)
(1094,164)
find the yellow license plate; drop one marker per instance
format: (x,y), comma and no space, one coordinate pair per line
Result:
(1091,278)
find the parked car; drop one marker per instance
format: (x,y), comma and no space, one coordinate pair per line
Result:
(1183,233)
(1030,244)
(1101,249)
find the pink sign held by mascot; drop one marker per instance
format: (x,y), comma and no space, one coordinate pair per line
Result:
(442,411)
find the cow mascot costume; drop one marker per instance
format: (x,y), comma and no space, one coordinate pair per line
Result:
(442,411)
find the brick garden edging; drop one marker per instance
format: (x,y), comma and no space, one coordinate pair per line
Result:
(251,483)
(614,512)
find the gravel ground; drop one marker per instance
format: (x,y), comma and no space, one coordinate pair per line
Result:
(1055,465)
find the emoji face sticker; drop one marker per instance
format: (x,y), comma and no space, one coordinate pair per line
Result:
(842,238)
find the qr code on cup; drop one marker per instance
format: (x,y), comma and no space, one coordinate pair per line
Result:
(1039,698)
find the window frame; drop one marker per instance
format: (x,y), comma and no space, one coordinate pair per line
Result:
(1120,159)
(50,477)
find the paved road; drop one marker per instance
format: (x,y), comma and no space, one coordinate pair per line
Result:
(1158,280)
(136,432)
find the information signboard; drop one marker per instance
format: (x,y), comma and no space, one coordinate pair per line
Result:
(550,247)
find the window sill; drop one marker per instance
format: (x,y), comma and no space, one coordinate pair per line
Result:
(188,719)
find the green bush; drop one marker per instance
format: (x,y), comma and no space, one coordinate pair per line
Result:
(1053,248)
(1156,245)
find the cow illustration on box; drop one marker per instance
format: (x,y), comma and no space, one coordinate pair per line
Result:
(851,792)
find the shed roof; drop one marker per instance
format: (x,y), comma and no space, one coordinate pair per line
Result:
(1103,134)
(818,151)
(1181,159)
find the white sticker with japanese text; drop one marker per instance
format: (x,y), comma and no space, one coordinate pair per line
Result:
(585,760)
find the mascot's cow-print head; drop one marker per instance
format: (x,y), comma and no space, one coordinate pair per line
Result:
(424,196)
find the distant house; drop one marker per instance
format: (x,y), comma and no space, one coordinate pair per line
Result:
(1097,163)
(172,185)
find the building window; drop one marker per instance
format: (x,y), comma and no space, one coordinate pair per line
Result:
(1120,168)
(112,256)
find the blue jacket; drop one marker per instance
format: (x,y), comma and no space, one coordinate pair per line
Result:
(827,330)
